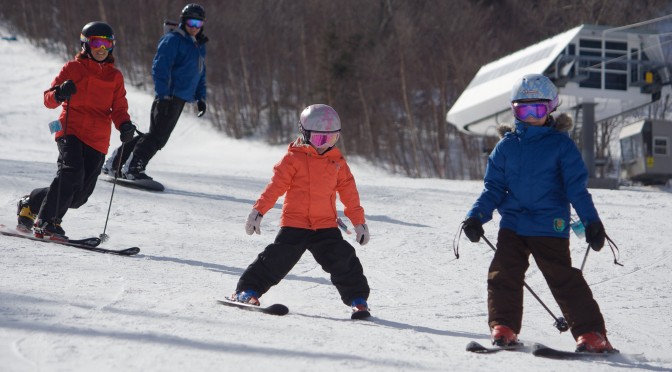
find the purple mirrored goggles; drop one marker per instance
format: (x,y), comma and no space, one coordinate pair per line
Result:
(538,109)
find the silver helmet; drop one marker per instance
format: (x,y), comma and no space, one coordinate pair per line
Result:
(535,86)
(320,126)
(319,118)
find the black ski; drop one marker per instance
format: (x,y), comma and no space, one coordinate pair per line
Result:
(144,184)
(548,352)
(89,244)
(475,347)
(275,309)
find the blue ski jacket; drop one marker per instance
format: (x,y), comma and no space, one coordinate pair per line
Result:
(179,67)
(532,176)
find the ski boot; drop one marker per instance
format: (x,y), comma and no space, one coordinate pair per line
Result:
(250,297)
(26,218)
(360,309)
(135,170)
(49,230)
(109,169)
(503,336)
(593,342)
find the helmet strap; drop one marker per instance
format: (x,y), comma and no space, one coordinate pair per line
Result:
(86,50)
(305,134)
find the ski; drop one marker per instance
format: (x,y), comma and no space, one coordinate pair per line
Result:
(475,347)
(89,244)
(548,352)
(275,309)
(144,184)
(24,233)
(538,350)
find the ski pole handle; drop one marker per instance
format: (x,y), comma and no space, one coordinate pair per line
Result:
(343,226)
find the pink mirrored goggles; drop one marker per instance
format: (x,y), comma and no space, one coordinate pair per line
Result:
(324,139)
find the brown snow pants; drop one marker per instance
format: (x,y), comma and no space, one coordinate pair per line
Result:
(552,255)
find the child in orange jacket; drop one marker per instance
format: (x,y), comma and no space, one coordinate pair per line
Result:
(310,174)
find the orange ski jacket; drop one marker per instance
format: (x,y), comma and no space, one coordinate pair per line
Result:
(100,99)
(310,182)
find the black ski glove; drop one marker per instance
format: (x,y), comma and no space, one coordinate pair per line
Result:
(163,105)
(595,235)
(65,90)
(473,229)
(126,131)
(201,107)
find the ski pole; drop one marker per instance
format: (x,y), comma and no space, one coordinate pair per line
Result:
(585,257)
(343,226)
(104,237)
(560,322)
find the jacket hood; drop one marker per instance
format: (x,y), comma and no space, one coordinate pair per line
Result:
(200,36)
(301,146)
(562,124)
(299,143)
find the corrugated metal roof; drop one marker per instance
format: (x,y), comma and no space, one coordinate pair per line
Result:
(489,91)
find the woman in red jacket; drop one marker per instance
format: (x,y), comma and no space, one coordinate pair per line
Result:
(310,175)
(92,93)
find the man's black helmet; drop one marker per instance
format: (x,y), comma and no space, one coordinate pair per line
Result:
(97,29)
(193,11)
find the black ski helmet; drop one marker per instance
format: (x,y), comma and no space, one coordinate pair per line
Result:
(192,11)
(98,29)
(95,29)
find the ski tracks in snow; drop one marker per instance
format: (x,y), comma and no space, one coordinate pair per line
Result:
(16,350)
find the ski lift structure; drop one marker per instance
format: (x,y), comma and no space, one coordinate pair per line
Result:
(601,72)
(646,151)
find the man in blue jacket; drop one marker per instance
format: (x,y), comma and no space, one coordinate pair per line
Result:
(532,176)
(178,71)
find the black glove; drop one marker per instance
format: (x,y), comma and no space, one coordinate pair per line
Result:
(65,90)
(126,130)
(595,235)
(473,229)
(201,107)
(162,105)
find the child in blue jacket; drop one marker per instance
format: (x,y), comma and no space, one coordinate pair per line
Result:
(533,175)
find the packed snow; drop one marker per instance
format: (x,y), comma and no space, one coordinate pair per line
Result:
(65,309)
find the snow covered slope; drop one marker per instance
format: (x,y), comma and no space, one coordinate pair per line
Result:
(63,309)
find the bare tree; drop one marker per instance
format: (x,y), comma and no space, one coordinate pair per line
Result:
(391,68)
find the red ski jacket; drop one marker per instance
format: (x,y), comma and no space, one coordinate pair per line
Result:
(100,99)
(311,181)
